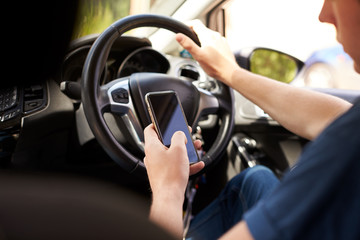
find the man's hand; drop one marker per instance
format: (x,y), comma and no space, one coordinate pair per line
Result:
(168,171)
(168,167)
(214,55)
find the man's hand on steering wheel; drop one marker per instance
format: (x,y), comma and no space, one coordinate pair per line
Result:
(213,46)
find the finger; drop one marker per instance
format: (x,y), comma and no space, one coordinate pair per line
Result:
(150,133)
(198,144)
(190,129)
(178,146)
(145,161)
(151,138)
(204,34)
(196,167)
(188,44)
(149,128)
(178,138)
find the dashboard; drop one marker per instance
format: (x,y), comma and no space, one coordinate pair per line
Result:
(131,55)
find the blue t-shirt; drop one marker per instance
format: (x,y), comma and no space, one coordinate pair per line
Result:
(320,197)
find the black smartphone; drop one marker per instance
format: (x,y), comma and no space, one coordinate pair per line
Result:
(168,117)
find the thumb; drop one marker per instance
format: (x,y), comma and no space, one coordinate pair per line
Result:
(188,44)
(178,139)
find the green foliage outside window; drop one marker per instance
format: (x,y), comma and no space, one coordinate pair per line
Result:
(94,16)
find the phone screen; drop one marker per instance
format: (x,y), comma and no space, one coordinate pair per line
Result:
(168,117)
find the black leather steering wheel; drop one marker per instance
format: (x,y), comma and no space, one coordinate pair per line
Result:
(125,97)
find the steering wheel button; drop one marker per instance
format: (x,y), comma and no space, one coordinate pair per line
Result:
(120,96)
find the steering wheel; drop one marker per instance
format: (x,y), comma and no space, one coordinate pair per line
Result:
(125,98)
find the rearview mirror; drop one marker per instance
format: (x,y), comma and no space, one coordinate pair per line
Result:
(270,63)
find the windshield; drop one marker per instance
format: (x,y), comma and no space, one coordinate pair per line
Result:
(95,16)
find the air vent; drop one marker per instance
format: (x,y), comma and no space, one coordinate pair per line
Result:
(189,71)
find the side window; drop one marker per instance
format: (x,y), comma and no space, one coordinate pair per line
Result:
(292,27)
(94,16)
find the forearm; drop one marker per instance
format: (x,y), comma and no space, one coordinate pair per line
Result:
(166,211)
(303,112)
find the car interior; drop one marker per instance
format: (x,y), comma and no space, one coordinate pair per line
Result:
(72,114)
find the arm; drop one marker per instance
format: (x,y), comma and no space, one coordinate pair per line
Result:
(304,112)
(301,111)
(166,210)
(168,171)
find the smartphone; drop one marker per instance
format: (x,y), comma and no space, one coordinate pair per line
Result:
(168,117)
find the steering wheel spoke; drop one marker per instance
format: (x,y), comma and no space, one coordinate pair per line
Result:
(208,104)
(119,102)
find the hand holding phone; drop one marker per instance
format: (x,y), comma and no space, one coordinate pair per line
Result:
(168,117)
